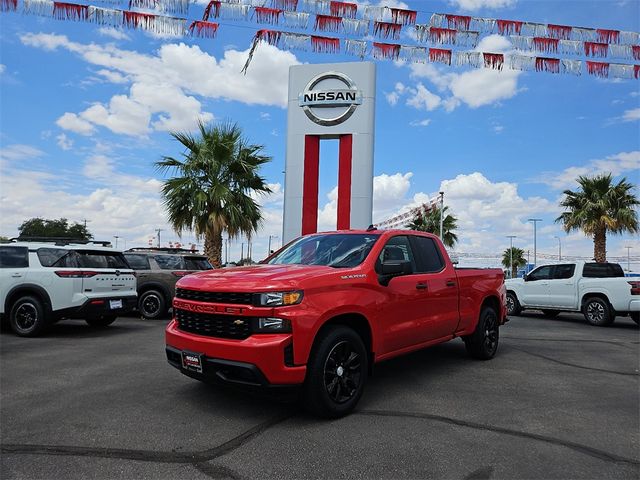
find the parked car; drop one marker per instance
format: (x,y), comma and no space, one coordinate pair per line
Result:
(45,280)
(599,290)
(322,310)
(158,270)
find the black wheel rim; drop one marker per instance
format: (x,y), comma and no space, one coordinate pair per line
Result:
(342,373)
(491,333)
(26,316)
(150,305)
(510,304)
(595,312)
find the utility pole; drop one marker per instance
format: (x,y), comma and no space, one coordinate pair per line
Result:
(628,259)
(511,237)
(242,251)
(158,230)
(535,239)
(559,248)
(441,216)
(270,237)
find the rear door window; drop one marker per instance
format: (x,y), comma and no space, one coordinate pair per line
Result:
(563,272)
(138,262)
(170,262)
(428,255)
(197,263)
(14,257)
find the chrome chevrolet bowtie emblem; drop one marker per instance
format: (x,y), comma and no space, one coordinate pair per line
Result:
(238,322)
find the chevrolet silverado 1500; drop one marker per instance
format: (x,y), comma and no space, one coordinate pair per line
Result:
(322,310)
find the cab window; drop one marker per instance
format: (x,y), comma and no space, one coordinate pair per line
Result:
(397,249)
(542,273)
(428,255)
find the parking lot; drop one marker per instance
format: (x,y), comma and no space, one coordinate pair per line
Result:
(560,400)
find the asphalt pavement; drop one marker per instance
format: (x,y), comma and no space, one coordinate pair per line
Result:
(560,400)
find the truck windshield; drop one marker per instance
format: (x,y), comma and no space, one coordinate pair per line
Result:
(335,250)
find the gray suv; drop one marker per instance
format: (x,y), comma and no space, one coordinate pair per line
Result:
(157,271)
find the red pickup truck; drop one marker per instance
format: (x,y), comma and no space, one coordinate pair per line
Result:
(324,308)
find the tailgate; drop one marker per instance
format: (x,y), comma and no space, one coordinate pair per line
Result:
(110,281)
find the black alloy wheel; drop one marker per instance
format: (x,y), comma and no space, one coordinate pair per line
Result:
(27,316)
(342,372)
(336,372)
(483,343)
(152,304)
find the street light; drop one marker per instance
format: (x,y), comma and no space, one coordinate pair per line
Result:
(628,259)
(559,248)
(535,239)
(270,237)
(441,215)
(511,237)
(116,237)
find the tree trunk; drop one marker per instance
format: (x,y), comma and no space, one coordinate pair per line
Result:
(213,247)
(600,245)
(514,270)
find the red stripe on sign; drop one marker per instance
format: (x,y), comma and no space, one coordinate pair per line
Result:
(310,184)
(344,182)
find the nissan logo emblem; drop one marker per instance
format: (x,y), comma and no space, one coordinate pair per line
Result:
(314,99)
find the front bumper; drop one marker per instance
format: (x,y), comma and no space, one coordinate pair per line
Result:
(257,361)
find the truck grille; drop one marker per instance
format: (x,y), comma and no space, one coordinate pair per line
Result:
(212,325)
(237,298)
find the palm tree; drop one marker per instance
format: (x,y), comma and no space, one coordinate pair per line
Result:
(215,185)
(430,222)
(600,206)
(517,254)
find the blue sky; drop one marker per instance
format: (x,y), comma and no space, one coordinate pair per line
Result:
(86,110)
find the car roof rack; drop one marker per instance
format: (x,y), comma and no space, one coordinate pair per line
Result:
(61,240)
(161,249)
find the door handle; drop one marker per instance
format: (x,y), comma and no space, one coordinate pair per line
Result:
(450,283)
(16,275)
(421,286)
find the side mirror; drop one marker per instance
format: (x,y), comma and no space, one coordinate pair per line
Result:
(389,270)
(525,277)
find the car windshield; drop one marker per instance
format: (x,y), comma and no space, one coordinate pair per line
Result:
(333,250)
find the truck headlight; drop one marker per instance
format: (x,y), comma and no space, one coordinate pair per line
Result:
(278,299)
(271,325)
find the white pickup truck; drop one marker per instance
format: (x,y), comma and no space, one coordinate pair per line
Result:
(599,290)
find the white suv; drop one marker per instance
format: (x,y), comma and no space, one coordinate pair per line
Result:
(42,282)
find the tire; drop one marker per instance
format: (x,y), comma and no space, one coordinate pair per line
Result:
(513,305)
(336,373)
(597,312)
(483,343)
(152,304)
(635,316)
(101,321)
(551,313)
(28,316)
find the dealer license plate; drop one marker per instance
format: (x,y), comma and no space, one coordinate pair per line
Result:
(192,361)
(114,304)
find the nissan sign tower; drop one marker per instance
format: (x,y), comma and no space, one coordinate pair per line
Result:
(329,101)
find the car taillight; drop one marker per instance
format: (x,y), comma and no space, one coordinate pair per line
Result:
(75,273)
(180,273)
(635,287)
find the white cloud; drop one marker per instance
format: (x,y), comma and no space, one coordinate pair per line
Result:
(114,33)
(17,152)
(494,44)
(420,123)
(64,142)
(164,85)
(617,164)
(474,5)
(71,121)
(484,86)
(423,99)
(497,128)
(3,67)
(631,115)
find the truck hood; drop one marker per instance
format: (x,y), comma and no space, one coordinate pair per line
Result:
(514,281)
(258,278)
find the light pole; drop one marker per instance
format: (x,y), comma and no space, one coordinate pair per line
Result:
(628,259)
(559,248)
(535,239)
(158,230)
(116,237)
(270,237)
(511,237)
(441,215)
